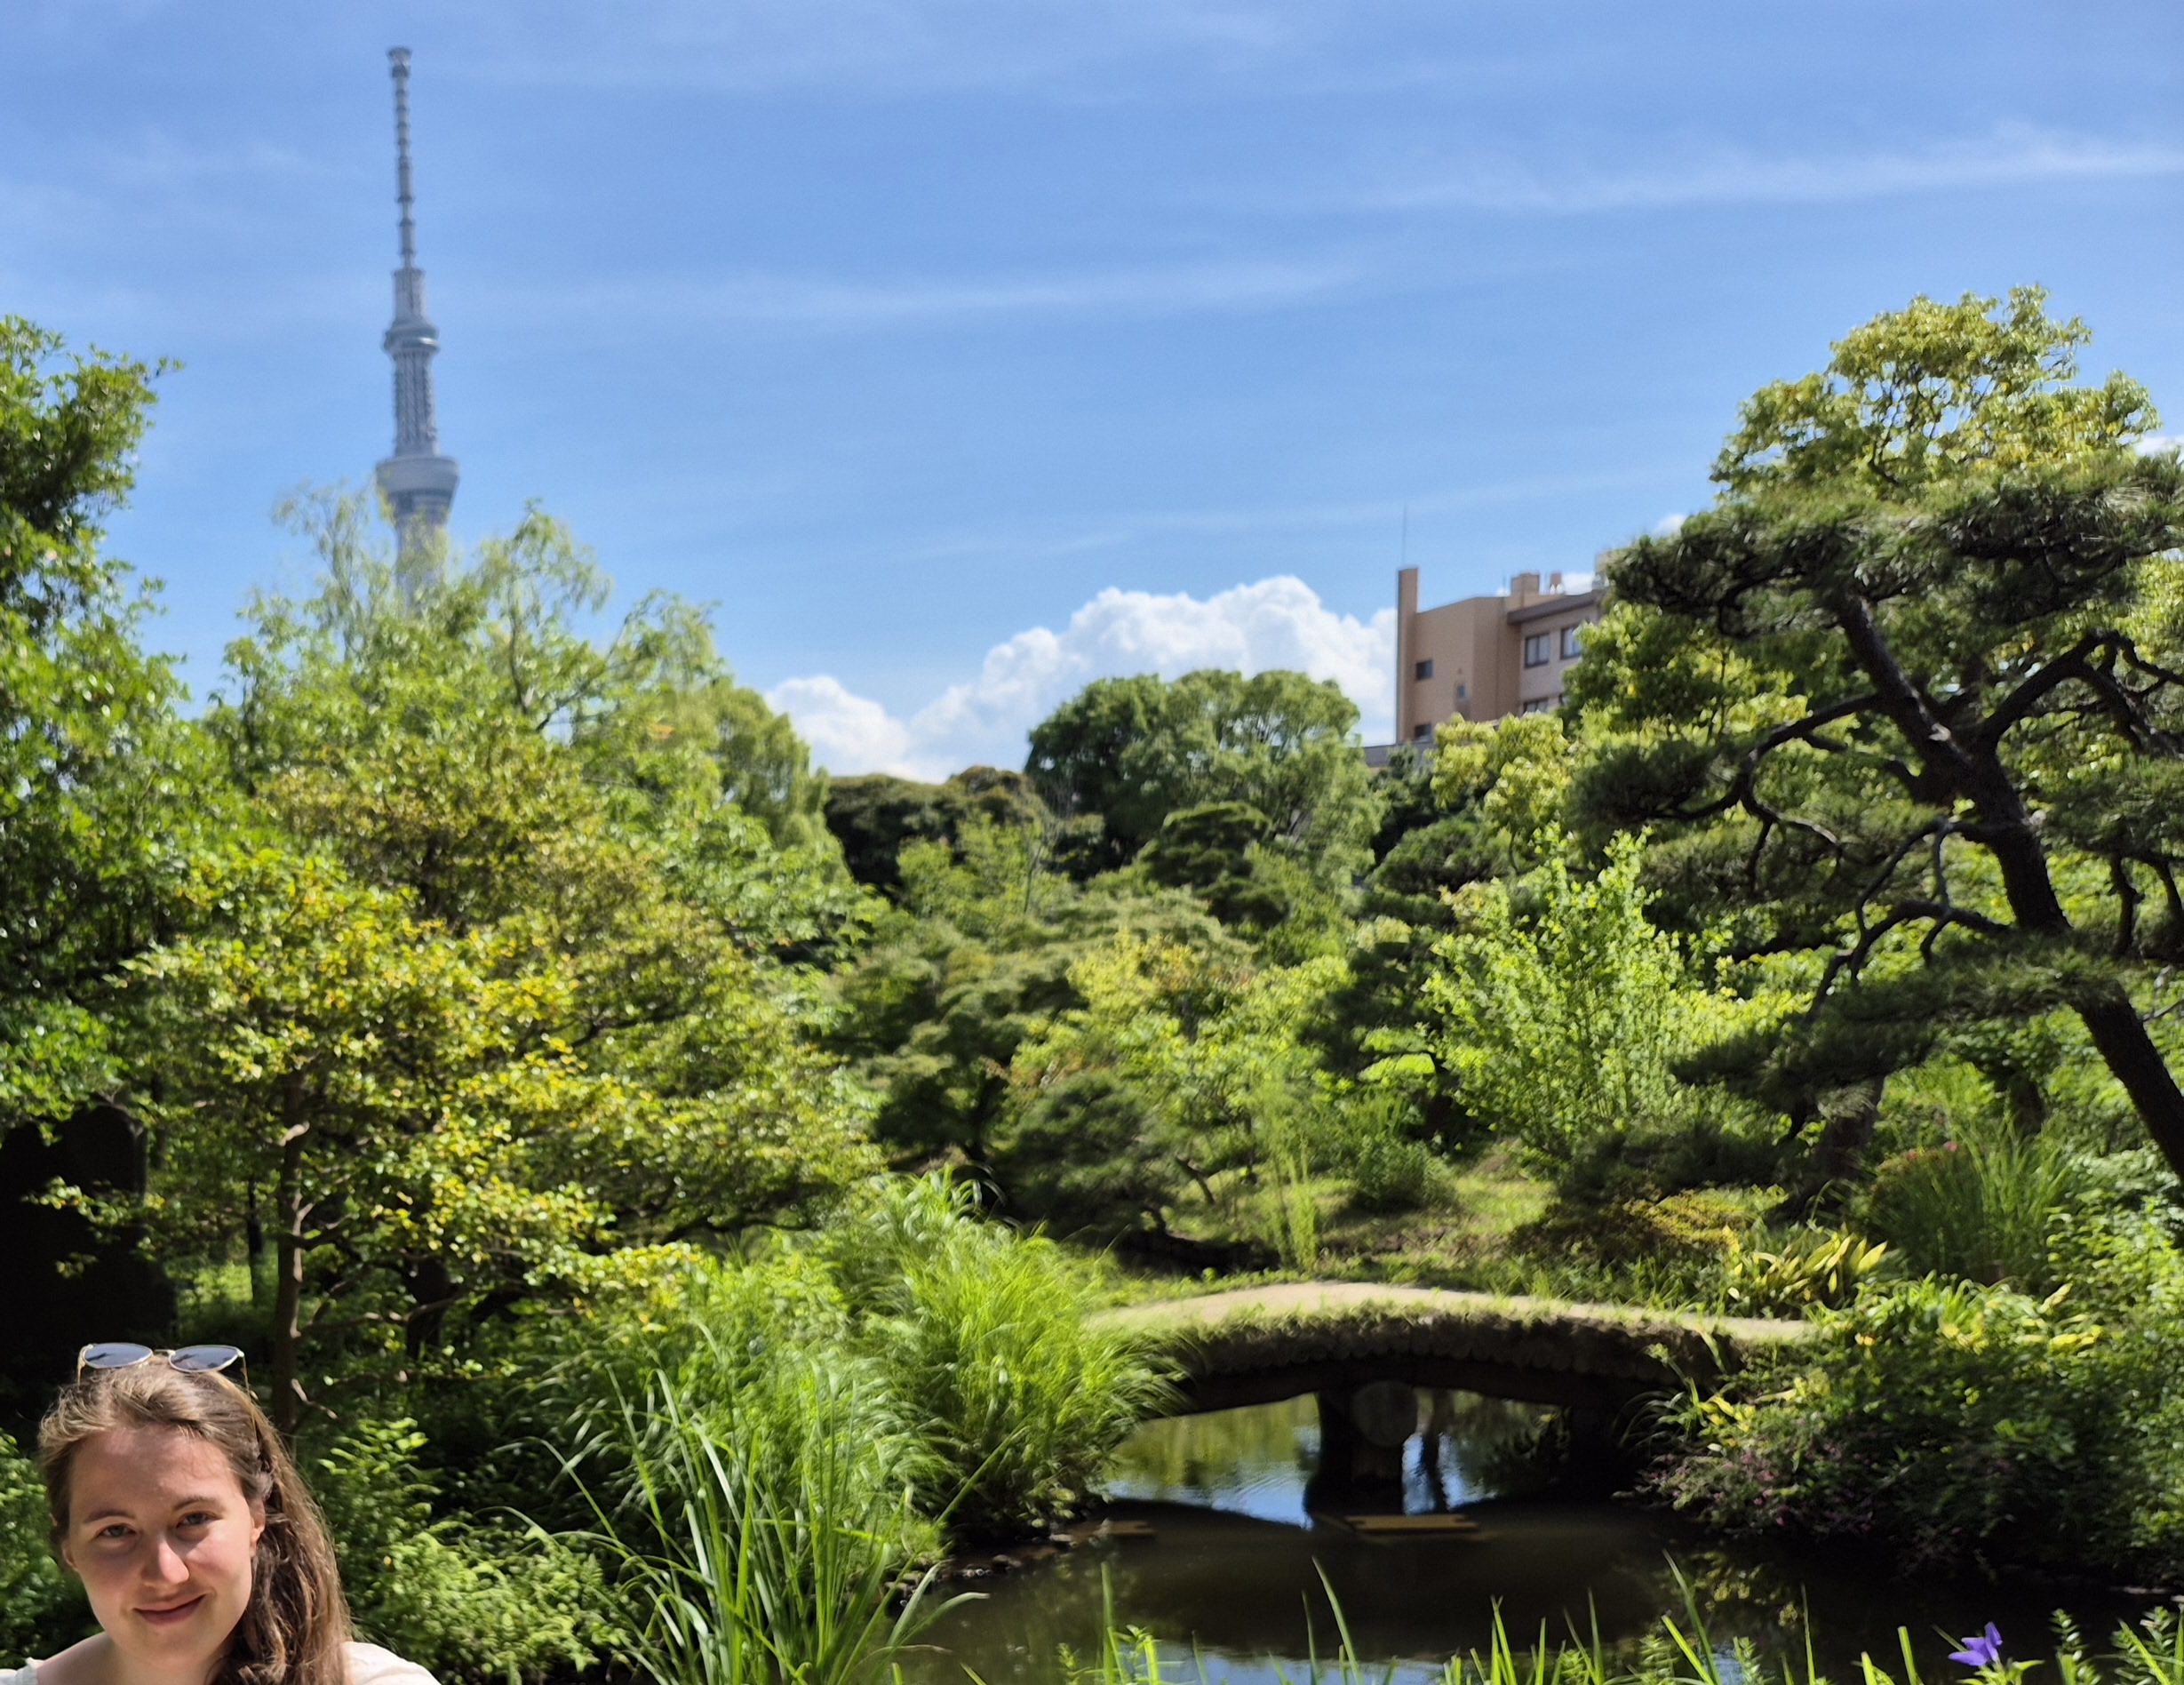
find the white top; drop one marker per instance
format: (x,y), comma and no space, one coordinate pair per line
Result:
(369,1664)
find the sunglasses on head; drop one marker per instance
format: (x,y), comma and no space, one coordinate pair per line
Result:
(191,1360)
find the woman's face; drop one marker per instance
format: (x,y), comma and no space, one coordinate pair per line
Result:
(161,1534)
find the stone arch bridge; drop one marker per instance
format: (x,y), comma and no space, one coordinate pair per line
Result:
(1360,1350)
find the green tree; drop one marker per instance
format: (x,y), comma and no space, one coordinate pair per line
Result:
(1136,750)
(1479,807)
(104,792)
(492,645)
(1514,773)
(1560,1019)
(977,951)
(877,815)
(384,1083)
(505,974)
(99,785)
(1167,1077)
(1910,697)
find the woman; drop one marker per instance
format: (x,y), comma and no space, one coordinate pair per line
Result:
(204,1559)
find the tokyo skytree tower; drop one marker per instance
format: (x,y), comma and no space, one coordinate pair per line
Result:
(418,481)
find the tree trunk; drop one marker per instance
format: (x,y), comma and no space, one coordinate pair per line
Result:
(2011,834)
(2135,1062)
(254,1243)
(2112,1021)
(1845,1131)
(288,1286)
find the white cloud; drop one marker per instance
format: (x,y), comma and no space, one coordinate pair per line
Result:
(1669,525)
(919,44)
(820,303)
(2157,443)
(2009,156)
(847,732)
(1276,623)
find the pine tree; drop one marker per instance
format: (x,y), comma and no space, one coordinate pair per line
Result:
(1910,700)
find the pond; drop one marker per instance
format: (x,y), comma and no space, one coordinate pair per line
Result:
(1211,1547)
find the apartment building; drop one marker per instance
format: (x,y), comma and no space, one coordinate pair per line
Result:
(1486,655)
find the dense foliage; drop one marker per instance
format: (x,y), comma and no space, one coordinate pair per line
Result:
(1946,1423)
(623,1151)
(96,809)
(1907,699)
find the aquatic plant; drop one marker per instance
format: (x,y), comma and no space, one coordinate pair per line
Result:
(754,1545)
(987,1339)
(1677,1651)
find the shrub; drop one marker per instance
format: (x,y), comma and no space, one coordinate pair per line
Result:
(1695,1227)
(1562,1011)
(466,1601)
(955,1355)
(987,1338)
(1813,1267)
(42,1606)
(1388,1168)
(1981,1207)
(1950,1423)
(1713,1145)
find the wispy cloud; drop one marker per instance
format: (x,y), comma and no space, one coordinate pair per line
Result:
(118,192)
(1123,528)
(157,160)
(1276,623)
(822,304)
(1739,176)
(897,45)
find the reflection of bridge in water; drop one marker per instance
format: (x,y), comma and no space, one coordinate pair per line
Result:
(1363,1352)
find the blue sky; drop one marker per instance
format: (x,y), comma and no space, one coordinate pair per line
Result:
(960,350)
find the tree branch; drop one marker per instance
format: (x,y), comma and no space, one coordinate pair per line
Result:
(1852,959)
(2071,663)
(1741,790)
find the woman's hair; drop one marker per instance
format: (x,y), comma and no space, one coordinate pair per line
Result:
(297,1621)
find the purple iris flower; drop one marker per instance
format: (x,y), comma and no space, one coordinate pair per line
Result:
(1983,1652)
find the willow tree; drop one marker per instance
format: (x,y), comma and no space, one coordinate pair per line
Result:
(1910,699)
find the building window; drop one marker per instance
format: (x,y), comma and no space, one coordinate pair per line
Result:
(1540,703)
(1423,669)
(1536,649)
(1463,690)
(1420,733)
(1570,646)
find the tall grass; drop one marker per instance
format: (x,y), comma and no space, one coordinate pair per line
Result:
(1294,1203)
(986,1339)
(1981,1207)
(766,1542)
(1676,1652)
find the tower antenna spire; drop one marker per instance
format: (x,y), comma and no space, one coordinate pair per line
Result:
(399,58)
(417,481)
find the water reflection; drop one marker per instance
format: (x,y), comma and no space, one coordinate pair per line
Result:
(1257,1462)
(1233,1566)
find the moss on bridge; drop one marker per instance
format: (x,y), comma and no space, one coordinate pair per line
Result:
(1255,1345)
